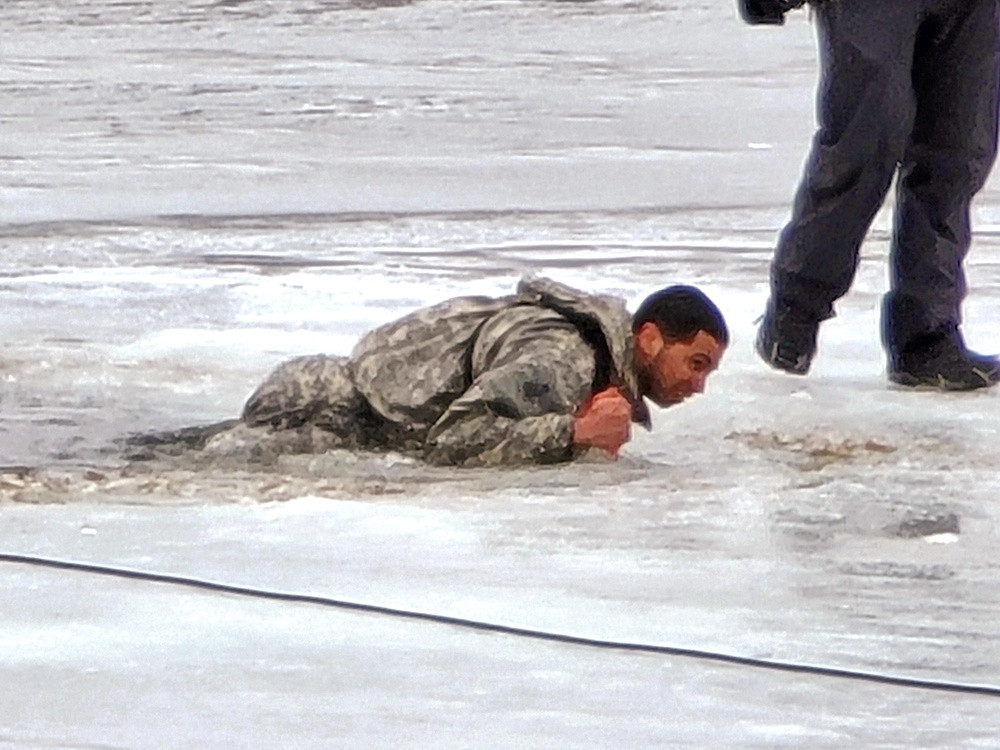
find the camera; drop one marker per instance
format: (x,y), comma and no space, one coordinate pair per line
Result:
(767,11)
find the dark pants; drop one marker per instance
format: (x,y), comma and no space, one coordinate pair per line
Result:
(907,84)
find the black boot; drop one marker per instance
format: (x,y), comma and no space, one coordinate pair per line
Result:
(786,339)
(940,360)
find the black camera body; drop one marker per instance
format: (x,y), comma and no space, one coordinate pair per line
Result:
(770,12)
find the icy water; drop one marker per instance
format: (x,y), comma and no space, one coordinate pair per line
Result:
(191,193)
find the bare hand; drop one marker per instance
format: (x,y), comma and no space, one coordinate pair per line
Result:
(604,422)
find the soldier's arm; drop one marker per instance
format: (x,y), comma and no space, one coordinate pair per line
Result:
(532,371)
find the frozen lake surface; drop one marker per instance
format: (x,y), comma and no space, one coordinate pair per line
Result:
(193,192)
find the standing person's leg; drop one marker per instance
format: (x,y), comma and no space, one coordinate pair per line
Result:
(951,151)
(866,106)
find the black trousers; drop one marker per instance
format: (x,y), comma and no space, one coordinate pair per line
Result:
(909,85)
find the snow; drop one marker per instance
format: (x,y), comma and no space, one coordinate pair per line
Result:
(199,192)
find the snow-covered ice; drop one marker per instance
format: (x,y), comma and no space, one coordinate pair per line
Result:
(195,192)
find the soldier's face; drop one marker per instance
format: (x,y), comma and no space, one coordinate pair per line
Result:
(671,371)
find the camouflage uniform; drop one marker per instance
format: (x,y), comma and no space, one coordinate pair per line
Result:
(470,381)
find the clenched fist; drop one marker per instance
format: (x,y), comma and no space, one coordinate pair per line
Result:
(604,422)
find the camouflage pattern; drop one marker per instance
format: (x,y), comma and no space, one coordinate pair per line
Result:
(471,381)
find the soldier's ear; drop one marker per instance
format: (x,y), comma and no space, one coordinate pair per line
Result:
(648,341)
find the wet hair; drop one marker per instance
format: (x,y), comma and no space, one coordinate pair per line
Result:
(679,312)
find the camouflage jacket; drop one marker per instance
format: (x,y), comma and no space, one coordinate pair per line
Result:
(470,381)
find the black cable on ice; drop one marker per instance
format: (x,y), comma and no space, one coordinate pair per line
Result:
(542,635)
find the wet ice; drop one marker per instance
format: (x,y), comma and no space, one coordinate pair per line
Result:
(198,191)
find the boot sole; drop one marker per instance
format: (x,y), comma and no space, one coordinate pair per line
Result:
(799,366)
(941,383)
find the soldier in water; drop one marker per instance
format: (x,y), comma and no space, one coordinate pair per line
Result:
(540,376)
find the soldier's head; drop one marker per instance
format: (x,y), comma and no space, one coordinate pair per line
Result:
(680,336)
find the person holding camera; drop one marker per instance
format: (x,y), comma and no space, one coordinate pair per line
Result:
(908,89)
